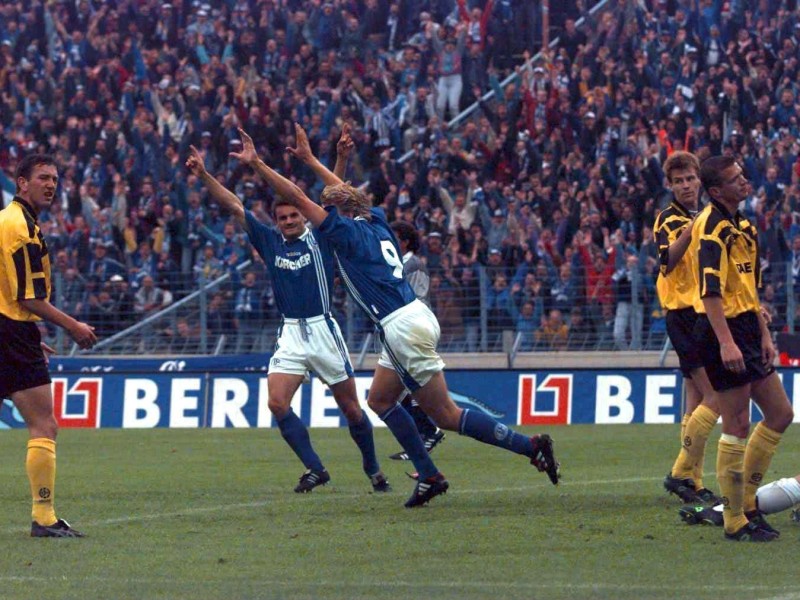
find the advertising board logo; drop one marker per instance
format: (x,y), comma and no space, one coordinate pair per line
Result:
(548,403)
(79,405)
(172,365)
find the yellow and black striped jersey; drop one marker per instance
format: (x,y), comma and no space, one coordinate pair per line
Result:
(724,250)
(676,289)
(25,263)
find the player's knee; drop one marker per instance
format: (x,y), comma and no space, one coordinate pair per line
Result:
(350,409)
(379,404)
(46,427)
(782,421)
(278,406)
(738,425)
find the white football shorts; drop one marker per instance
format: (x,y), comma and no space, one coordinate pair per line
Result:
(410,336)
(314,344)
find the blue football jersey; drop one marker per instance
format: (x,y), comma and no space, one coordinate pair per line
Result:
(301,270)
(370,262)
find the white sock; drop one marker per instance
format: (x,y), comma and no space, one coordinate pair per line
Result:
(778,496)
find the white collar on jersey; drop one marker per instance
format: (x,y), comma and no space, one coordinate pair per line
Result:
(407,256)
(302,237)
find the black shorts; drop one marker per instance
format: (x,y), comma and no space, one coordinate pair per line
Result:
(746,333)
(680,329)
(22,364)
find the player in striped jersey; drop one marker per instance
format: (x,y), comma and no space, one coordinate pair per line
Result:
(371,267)
(25,300)
(309,338)
(676,290)
(736,347)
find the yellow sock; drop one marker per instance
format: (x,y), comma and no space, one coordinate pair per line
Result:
(697,431)
(760,450)
(41,467)
(730,475)
(684,420)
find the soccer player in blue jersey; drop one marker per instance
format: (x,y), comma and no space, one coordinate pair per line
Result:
(371,267)
(309,338)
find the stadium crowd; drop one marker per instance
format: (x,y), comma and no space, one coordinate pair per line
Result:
(540,203)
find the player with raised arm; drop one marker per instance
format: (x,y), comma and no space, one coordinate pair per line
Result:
(676,291)
(371,268)
(309,338)
(24,300)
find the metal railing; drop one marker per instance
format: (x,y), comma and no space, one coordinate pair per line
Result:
(490,309)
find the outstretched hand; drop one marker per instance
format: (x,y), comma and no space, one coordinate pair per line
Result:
(248,155)
(345,144)
(303,150)
(195,162)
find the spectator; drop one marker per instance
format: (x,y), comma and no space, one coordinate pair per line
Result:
(182,339)
(149,298)
(247,314)
(553,334)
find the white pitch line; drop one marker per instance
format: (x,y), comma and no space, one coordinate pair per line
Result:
(322,497)
(460,584)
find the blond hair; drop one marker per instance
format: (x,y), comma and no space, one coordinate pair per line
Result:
(347,199)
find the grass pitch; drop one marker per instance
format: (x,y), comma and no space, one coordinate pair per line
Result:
(211,514)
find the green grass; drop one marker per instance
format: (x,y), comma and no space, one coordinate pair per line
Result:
(211,514)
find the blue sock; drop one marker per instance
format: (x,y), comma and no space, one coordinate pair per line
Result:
(402,427)
(296,435)
(484,428)
(361,433)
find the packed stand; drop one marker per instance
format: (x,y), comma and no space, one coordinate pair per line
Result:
(535,212)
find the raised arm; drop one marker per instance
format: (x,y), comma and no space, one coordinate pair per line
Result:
(303,153)
(282,186)
(219,192)
(343,150)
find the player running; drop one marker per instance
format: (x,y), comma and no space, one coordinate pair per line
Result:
(309,338)
(372,270)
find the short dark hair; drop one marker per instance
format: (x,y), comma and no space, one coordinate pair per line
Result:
(279,202)
(27,164)
(406,232)
(712,168)
(680,161)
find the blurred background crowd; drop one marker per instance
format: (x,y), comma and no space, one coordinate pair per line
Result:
(531,172)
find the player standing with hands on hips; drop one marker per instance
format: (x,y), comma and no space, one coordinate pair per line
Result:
(24,300)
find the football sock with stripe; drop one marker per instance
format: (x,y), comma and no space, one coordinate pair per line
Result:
(402,427)
(484,428)
(361,433)
(778,495)
(40,464)
(760,449)
(730,475)
(296,435)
